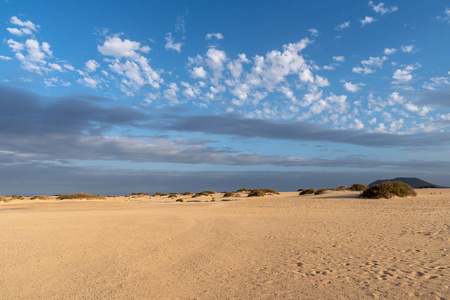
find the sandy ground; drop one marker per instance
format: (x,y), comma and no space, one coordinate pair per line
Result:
(331,246)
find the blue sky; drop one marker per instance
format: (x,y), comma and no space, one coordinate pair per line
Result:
(119,96)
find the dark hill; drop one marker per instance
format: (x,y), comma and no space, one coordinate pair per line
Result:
(414,182)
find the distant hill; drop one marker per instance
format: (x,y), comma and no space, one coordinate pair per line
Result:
(414,182)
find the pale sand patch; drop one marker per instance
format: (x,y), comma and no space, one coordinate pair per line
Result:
(288,246)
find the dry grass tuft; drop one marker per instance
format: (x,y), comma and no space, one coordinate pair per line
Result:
(80,196)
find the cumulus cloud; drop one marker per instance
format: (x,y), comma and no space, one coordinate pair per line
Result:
(339,58)
(198,72)
(217,36)
(26,24)
(369,65)
(89,82)
(171,44)
(353,87)
(342,26)
(129,63)
(403,75)
(314,32)
(115,46)
(92,65)
(19,32)
(381,8)
(367,20)
(5,58)
(34,58)
(408,48)
(389,51)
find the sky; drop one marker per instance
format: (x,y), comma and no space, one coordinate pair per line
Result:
(115,97)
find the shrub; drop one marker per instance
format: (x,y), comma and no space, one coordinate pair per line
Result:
(80,196)
(257,193)
(159,194)
(188,193)
(307,192)
(14,197)
(204,193)
(388,190)
(173,195)
(318,192)
(229,194)
(179,200)
(139,194)
(358,187)
(242,190)
(40,197)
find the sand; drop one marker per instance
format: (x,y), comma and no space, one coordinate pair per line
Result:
(330,246)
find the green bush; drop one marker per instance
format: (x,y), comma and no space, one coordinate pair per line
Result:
(188,193)
(318,192)
(358,187)
(307,192)
(242,190)
(229,194)
(204,193)
(257,193)
(80,196)
(159,194)
(388,190)
(262,192)
(173,195)
(179,200)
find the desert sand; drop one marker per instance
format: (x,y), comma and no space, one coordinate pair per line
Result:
(329,246)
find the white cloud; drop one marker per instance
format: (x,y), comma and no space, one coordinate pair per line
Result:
(321,81)
(69,67)
(307,76)
(403,75)
(55,67)
(215,59)
(171,45)
(34,58)
(368,65)
(27,24)
(353,87)
(339,58)
(314,32)
(436,82)
(358,124)
(408,49)
(381,8)
(89,82)
(395,98)
(115,46)
(92,65)
(217,36)
(129,63)
(145,49)
(15,46)
(19,32)
(367,20)
(5,58)
(389,51)
(171,93)
(375,61)
(342,26)
(198,72)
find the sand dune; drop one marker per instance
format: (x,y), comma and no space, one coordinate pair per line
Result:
(328,246)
